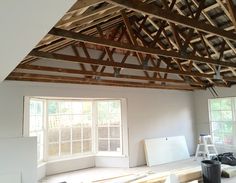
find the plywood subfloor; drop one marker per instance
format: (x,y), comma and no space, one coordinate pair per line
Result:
(95,174)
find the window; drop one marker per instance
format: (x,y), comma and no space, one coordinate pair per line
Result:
(222,119)
(66,128)
(36,125)
(109,126)
(69,128)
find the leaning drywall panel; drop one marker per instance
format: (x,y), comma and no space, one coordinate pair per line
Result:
(10,178)
(164,150)
(19,156)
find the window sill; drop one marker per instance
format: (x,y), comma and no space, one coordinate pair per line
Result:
(69,158)
(110,155)
(81,157)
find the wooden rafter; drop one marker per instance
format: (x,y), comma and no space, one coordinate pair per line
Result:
(156,12)
(99,74)
(178,44)
(78,80)
(69,58)
(152,51)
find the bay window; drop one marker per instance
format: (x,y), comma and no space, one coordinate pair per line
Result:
(75,127)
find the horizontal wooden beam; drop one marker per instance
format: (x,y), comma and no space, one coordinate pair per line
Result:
(169,16)
(153,51)
(99,74)
(69,58)
(78,80)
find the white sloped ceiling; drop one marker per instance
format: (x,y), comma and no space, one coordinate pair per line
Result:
(23,23)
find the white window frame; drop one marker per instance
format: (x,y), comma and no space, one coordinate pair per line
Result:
(95,152)
(110,153)
(233,105)
(61,157)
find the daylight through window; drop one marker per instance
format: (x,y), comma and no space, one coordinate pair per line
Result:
(67,128)
(222,119)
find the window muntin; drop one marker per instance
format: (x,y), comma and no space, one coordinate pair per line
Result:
(222,120)
(71,126)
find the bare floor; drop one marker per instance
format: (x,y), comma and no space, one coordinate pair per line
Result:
(96,174)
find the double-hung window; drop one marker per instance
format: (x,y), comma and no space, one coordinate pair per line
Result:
(109,126)
(75,127)
(69,128)
(36,125)
(223,120)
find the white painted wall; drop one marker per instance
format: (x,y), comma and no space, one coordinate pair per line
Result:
(56,167)
(18,159)
(158,113)
(150,113)
(23,25)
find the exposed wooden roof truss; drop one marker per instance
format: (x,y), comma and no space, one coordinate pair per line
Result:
(175,44)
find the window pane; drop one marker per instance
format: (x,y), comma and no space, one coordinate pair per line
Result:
(76,147)
(222,127)
(102,112)
(215,104)
(65,148)
(216,126)
(53,150)
(36,107)
(225,104)
(228,139)
(115,145)
(228,128)
(216,116)
(87,107)
(53,135)
(115,132)
(36,122)
(114,106)
(53,121)
(87,133)
(66,120)
(109,112)
(53,107)
(65,134)
(65,107)
(223,138)
(102,132)
(87,146)
(226,115)
(77,107)
(76,133)
(115,119)
(103,145)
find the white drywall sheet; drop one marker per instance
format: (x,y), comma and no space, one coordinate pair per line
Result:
(18,157)
(10,178)
(164,150)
